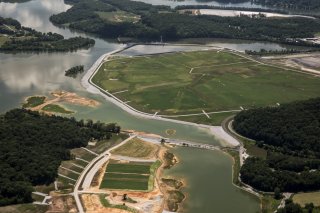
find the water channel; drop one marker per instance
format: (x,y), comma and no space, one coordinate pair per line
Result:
(208,174)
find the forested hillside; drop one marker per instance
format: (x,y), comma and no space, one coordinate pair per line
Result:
(291,128)
(33,146)
(291,4)
(287,4)
(154,21)
(291,135)
(14,37)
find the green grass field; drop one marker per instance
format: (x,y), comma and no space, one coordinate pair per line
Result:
(126,176)
(106,203)
(24,208)
(83,154)
(56,109)
(3,39)
(118,16)
(128,168)
(103,145)
(130,176)
(34,101)
(135,184)
(189,82)
(215,119)
(136,148)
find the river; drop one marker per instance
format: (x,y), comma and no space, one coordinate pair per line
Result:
(27,74)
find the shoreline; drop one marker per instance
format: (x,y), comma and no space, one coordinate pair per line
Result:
(223,137)
(87,83)
(163,187)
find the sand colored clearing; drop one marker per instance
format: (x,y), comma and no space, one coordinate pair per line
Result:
(73,98)
(141,133)
(62,204)
(309,197)
(92,204)
(66,97)
(171,132)
(137,148)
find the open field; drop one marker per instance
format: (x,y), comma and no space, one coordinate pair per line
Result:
(56,109)
(189,82)
(83,154)
(214,120)
(106,203)
(24,208)
(310,197)
(68,173)
(129,168)
(126,176)
(3,39)
(34,101)
(103,145)
(130,176)
(118,16)
(137,148)
(132,184)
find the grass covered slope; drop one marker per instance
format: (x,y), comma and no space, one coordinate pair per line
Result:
(189,82)
(137,148)
(291,136)
(33,146)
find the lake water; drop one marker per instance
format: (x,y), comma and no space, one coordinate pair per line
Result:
(28,74)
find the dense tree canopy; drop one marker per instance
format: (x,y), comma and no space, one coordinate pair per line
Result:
(291,4)
(291,135)
(287,4)
(33,146)
(293,128)
(26,39)
(73,71)
(156,21)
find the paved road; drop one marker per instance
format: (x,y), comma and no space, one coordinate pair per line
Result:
(90,170)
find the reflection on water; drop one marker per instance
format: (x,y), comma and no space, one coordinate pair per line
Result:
(210,196)
(36,14)
(29,74)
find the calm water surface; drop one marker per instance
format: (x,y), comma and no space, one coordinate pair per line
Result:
(22,75)
(207,172)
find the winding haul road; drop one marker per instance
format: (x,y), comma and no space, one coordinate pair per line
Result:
(90,170)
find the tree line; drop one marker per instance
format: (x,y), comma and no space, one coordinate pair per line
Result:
(190,7)
(291,135)
(157,21)
(33,146)
(290,4)
(27,39)
(286,4)
(73,71)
